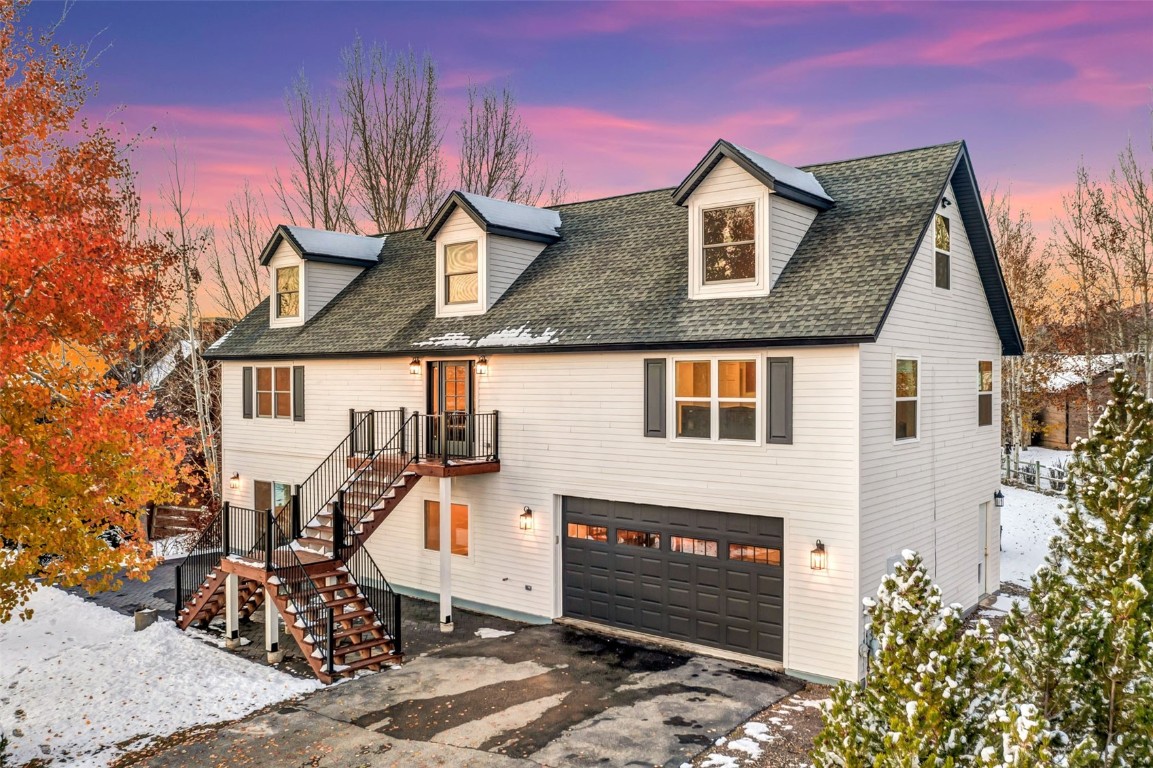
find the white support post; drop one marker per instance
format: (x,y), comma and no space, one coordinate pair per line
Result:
(446,554)
(232,607)
(271,624)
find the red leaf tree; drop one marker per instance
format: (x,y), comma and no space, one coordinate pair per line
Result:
(78,456)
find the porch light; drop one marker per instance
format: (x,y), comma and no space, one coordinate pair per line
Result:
(414,366)
(526,519)
(818,558)
(482,366)
(998,499)
(234,481)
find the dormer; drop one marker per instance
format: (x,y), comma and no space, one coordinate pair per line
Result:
(482,246)
(747,215)
(308,267)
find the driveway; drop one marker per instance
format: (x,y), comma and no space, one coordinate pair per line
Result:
(543,695)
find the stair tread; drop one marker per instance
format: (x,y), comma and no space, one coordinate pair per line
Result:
(376,642)
(342,601)
(358,630)
(350,615)
(371,661)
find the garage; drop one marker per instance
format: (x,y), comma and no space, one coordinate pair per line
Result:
(698,576)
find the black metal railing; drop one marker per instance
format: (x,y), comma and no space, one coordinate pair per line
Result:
(377,591)
(202,560)
(374,476)
(310,612)
(320,488)
(457,436)
(253,534)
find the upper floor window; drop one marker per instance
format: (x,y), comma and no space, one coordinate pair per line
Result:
(288,292)
(274,393)
(908,397)
(941,271)
(729,243)
(460,273)
(984,393)
(716,399)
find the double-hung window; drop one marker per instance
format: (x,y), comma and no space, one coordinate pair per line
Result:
(461,278)
(984,393)
(729,244)
(288,292)
(941,242)
(274,392)
(716,399)
(908,396)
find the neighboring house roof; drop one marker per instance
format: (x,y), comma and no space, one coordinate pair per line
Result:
(619,278)
(787,181)
(1072,369)
(499,217)
(322,245)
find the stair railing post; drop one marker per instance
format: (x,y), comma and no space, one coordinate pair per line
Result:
(496,435)
(269,530)
(179,594)
(330,630)
(416,435)
(403,429)
(294,508)
(371,431)
(226,529)
(442,437)
(352,428)
(396,639)
(338,524)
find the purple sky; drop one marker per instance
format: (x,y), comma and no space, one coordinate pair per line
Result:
(628,96)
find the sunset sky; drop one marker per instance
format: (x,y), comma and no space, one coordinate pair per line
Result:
(628,96)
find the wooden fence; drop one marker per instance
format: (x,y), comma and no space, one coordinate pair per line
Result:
(1034,474)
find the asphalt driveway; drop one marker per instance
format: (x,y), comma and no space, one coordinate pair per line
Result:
(543,695)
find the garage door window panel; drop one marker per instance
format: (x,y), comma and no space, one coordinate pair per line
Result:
(753,554)
(590,532)
(716,400)
(634,538)
(690,546)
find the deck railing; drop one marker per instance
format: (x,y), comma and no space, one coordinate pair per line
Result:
(376,590)
(202,560)
(310,612)
(457,436)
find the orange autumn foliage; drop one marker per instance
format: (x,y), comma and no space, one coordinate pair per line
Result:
(77,455)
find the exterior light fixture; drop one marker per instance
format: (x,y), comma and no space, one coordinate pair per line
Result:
(946,202)
(414,366)
(482,366)
(998,499)
(234,481)
(818,558)
(526,519)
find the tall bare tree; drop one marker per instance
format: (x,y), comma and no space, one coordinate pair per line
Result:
(1023,378)
(496,149)
(317,191)
(1133,190)
(390,104)
(238,281)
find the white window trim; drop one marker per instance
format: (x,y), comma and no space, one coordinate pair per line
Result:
(480,306)
(919,399)
(299,293)
(435,553)
(992,389)
(299,319)
(272,490)
(699,203)
(714,399)
(256,393)
(935,250)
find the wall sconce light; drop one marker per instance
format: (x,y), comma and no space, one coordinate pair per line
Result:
(234,481)
(482,366)
(414,366)
(526,519)
(818,558)
(946,202)
(998,499)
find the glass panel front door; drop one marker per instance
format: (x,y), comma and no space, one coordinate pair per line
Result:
(451,395)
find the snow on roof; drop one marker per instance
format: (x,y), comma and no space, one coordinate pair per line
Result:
(786,174)
(321,242)
(526,218)
(1075,369)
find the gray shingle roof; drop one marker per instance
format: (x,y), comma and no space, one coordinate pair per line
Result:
(618,279)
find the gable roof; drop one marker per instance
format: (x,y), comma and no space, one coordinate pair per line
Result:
(499,217)
(788,182)
(619,278)
(322,245)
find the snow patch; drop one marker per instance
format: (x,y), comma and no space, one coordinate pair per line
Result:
(487,633)
(1027,525)
(453,339)
(518,337)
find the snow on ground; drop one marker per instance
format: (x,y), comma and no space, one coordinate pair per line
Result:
(174,547)
(1049,457)
(485,632)
(1027,524)
(76,681)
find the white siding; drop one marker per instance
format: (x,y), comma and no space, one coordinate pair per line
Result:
(507,258)
(571,424)
(324,282)
(924,495)
(790,222)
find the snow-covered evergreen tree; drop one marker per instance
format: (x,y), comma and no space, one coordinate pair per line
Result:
(1087,651)
(934,689)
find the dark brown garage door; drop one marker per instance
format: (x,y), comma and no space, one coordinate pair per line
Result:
(702,577)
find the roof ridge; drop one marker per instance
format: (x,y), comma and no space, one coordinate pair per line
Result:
(611,197)
(955,142)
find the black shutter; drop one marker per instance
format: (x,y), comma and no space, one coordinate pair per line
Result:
(247,375)
(655,397)
(298,393)
(780,400)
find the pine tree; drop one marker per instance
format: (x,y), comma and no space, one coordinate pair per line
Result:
(1088,650)
(933,691)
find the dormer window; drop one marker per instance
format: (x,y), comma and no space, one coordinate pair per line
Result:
(730,245)
(461,275)
(288,291)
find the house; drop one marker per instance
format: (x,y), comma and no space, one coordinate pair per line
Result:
(1067,413)
(714,414)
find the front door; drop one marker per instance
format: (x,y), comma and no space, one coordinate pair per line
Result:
(983,547)
(450,395)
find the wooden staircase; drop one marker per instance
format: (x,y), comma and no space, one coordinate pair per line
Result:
(207,602)
(367,501)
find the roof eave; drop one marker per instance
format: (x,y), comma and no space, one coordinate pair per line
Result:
(456,199)
(726,149)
